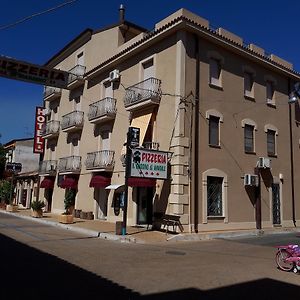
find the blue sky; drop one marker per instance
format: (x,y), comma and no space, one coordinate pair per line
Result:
(272,25)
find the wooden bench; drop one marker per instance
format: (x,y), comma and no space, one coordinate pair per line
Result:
(167,221)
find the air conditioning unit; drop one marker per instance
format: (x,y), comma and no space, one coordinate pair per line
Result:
(46,111)
(264,163)
(114,75)
(250,180)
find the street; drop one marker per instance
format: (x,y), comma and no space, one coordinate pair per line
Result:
(45,262)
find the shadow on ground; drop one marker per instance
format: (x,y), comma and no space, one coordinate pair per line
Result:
(29,273)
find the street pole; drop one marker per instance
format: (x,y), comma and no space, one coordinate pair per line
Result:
(127,174)
(11,187)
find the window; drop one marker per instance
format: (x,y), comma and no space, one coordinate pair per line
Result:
(214,196)
(270,92)
(214,131)
(249,138)
(248,85)
(271,142)
(215,72)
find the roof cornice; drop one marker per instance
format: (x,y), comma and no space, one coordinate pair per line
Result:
(204,31)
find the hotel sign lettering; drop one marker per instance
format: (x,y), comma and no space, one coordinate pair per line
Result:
(24,71)
(38,145)
(149,164)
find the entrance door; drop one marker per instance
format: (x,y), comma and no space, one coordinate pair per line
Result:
(49,193)
(101,203)
(276,203)
(144,205)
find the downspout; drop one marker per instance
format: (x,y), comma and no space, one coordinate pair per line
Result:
(292,157)
(195,160)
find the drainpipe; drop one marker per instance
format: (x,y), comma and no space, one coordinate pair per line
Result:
(195,138)
(292,156)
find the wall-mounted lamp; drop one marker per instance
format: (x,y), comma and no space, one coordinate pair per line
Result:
(295,94)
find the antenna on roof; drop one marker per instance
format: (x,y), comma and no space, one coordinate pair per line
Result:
(122,13)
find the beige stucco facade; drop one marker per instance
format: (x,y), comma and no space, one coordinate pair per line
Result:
(178,54)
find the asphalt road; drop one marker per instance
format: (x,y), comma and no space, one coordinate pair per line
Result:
(44,262)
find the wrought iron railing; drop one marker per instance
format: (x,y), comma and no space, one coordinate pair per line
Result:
(69,164)
(100,159)
(74,118)
(48,166)
(102,107)
(76,73)
(48,90)
(51,127)
(142,91)
(151,145)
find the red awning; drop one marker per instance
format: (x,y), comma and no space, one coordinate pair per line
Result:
(99,181)
(47,183)
(143,182)
(69,183)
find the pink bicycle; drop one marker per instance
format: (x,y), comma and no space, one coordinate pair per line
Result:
(288,258)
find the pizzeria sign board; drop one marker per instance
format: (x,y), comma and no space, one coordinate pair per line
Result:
(149,164)
(24,71)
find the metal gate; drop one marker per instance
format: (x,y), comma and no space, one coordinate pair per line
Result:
(276,204)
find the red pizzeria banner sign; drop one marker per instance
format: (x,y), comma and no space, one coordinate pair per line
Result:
(38,146)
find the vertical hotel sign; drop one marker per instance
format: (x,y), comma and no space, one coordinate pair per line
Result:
(38,146)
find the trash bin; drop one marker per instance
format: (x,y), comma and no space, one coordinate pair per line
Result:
(119,228)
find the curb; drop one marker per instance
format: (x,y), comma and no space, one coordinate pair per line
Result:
(231,234)
(93,233)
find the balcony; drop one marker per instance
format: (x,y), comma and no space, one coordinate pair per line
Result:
(143,94)
(100,160)
(69,165)
(72,121)
(50,129)
(102,110)
(151,145)
(51,93)
(48,168)
(76,76)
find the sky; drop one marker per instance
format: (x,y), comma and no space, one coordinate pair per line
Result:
(270,24)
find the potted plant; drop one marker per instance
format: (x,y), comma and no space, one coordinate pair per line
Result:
(37,208)
(69,202)
(6,195)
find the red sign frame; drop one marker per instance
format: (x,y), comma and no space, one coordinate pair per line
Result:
(40,119)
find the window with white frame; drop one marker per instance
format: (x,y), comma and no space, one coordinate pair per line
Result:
(214,131)
(271,142)
(215,72)
(249,138)
(248,85)
(214,119)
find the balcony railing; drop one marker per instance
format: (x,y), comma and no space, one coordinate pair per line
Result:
(100,160)
(76,74)
(72,121)
(143,93)
(51,93)
(70,164)
(151,145)
(48,167)
(102,110)
(51,128)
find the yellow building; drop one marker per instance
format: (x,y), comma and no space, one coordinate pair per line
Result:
(219,106)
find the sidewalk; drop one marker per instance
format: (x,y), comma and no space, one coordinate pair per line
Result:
(139,234)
